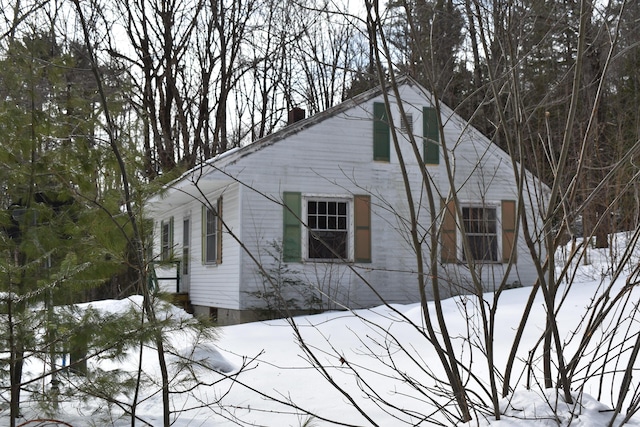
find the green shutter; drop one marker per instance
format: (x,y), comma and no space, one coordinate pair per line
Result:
(362,222)
(381,146)
(508,230)
(292,230)
(431,134)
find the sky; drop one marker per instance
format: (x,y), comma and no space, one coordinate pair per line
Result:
(252,373)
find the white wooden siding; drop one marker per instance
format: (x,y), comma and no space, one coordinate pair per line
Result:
(210,285)
(334,156)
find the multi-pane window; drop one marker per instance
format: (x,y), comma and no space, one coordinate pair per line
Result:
(481,229)
(328,229)
(210,236)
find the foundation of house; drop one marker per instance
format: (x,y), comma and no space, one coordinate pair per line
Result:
(225,316)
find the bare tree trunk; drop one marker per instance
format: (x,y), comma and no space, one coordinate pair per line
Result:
(138,237)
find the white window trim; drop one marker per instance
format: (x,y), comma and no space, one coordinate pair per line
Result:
(486,204)
(350,224)
(166,256)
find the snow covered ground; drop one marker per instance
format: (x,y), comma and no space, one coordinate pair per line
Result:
(266,375)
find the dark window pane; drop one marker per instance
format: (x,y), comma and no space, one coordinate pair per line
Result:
(327,244)
(480,226)
(328,236)
(342,223)
(211,248)
(211,222)
(211,237)
(332,223)
(322,223)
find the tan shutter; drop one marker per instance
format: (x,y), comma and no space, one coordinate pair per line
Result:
(362,225)
(508,229)
(219,232)
(449,252)
(292,230)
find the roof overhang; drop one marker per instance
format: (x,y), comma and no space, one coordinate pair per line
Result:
(188,189)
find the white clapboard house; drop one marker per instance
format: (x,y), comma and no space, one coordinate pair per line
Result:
(321,208)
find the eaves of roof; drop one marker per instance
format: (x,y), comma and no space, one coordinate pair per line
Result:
(233,155)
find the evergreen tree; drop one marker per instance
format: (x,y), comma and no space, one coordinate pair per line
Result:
(57,226)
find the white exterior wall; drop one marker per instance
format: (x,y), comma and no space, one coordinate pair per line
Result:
(211,285)
(333,157)
(484,175)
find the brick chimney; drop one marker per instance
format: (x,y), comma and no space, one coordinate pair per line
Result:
(295,115)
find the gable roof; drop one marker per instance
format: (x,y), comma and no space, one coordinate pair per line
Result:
(235,154)
(297,127)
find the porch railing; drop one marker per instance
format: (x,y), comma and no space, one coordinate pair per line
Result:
(161,272)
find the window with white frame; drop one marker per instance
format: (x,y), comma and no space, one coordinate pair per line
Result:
(481,228)
(212,233)
(328,229)
(166,239)
(210,236)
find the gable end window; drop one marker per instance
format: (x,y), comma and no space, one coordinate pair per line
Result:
(211,234)
(406,123)
(166,239)
(319,228)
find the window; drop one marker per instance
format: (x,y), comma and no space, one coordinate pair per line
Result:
(484,227)
(328,233)
(406,123)
(481,229)
(319,228)
(166,239)
(212,234)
